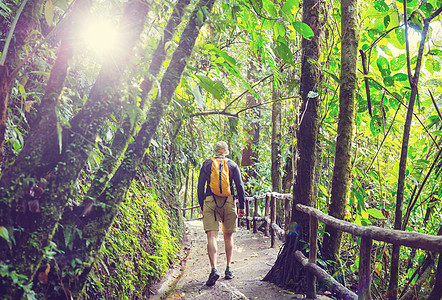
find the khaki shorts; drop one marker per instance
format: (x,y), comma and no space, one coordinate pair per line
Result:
(215,213)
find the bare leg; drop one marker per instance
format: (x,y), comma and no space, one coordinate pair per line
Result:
(212,247)
(228,242)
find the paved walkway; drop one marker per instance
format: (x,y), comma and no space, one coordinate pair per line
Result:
(252,259)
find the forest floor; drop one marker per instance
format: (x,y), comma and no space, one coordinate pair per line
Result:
(252,259)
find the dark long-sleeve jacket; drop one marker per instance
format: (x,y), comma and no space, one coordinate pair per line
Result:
(234,177)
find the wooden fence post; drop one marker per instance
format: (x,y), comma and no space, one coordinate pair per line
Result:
(287,210)
(312,257)
(255,215)
(247,214)
(266,214)
(364,285)
(272,220)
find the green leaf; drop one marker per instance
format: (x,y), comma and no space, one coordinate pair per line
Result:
(437,132)
(199,17)
(376,213)
(285,53)
(387,21)
(5,8)
(269,6)
(432,65)
(400,35)
(216,88)
(388,81)
(278,29)
(49,12)
(4,233)
(400,77)
(267,24)
(427,9)
(380,6)
(290,8)
(435,51)
(219,60)
(303,29)
(398,62)
(60,136)
(416,21)
(383,66)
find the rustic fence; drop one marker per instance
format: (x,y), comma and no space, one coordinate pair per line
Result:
(366,233)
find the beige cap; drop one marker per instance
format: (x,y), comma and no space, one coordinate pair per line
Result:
(221,148)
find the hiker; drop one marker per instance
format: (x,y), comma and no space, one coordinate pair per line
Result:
(215,209)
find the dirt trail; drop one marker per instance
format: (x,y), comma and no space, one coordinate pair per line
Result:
(252,259)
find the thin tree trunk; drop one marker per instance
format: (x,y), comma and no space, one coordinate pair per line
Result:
(287,272)
(341,181)
(250,152)
(414,80)
(186,189)
(5,88)
(276,141)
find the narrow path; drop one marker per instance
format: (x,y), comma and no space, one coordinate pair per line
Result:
(252,259)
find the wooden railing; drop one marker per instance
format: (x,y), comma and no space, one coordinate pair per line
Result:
(367,234)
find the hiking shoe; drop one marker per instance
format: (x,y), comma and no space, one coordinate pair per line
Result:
(213,277)
(228,274)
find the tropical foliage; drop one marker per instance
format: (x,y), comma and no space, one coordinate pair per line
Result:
(79,124)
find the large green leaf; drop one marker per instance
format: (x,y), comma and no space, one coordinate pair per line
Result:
(400,77)
(269,7)
(432,65)
(375,213)
(49,12)
(380,6)
(285,53)
(216,88)
(398,62)
(303,29)
(278,29)
(4,233)
(290,7)
(400,35)
(383,66)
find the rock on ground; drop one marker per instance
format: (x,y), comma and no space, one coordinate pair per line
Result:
(252,259)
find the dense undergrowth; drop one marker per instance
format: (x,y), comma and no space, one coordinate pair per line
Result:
(140,246)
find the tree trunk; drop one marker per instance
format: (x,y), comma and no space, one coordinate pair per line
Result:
(341,181)
(276,141)
(27,23)
(414,80)
(287,272)
(5,88)
(250,151)
(97,224)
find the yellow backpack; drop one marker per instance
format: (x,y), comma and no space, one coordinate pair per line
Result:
(219,177)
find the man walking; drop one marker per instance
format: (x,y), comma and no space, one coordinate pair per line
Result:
(217,204)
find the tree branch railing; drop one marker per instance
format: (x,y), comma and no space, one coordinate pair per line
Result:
(366,233)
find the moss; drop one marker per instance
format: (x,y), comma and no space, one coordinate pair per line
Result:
(139,248)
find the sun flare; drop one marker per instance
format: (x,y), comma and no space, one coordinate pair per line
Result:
(99,35)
